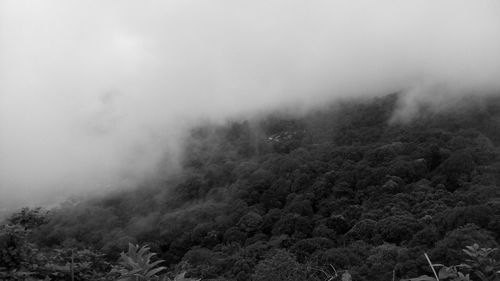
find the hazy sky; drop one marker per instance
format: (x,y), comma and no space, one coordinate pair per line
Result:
(94,92)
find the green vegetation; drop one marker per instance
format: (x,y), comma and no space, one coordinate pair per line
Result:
(337,194)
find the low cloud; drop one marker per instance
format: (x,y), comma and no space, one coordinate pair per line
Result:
(94,94)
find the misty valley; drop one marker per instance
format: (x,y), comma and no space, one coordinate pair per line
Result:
(343,192)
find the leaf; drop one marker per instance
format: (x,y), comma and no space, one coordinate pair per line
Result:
(463,277)
(156,263)
(143,250)
(469,253)
(481,275)
(463,265)
(134,272)
(421,278)
(154,271)
(446,272)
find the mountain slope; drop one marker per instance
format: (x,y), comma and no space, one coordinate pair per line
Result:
(341,186)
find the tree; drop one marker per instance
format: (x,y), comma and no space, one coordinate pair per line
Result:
(15,248)
(250,222)
(452,218)
(306,247)
(29,218)
(282,266)
(457,168)
(234,234)
(399,228)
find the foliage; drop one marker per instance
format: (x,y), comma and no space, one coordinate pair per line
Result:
(21,259)
(137,265)
(14,249)
(29,218)
(479,265)
(345,186)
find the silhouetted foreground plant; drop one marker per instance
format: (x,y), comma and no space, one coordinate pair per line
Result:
(479,265)
(137,265)
(22,260)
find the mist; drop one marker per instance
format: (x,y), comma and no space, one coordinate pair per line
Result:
(93,95)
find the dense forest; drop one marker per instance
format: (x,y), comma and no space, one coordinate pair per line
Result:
(287,197)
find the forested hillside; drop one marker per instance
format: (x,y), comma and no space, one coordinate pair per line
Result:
(338,187)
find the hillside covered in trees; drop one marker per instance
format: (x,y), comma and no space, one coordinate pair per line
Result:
(341,187)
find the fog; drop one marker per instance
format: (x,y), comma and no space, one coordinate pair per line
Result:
(93,94)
